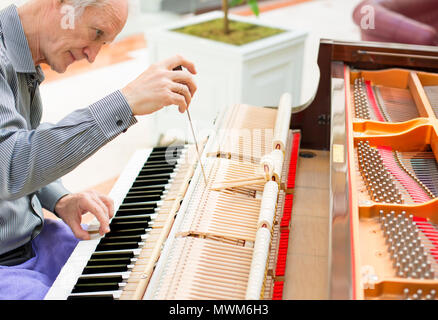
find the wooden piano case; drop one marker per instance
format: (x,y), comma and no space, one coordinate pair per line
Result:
(374,110)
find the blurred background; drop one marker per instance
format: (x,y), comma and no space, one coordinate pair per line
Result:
(128,56)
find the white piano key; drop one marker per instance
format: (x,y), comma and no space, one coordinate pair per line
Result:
(66,279)
(115,294)
(125,275)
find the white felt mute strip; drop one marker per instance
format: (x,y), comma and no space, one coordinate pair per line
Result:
(258,264)
(268,205)
(282,122)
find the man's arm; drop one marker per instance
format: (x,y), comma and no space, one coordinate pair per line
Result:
(32,159)
(49,195)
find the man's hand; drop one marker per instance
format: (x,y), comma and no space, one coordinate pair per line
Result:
(70,209)
(160,86)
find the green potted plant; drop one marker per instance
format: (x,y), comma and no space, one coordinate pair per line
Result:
(228,30)
(238,59)
(252,3)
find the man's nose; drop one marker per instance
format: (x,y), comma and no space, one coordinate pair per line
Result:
(91,52)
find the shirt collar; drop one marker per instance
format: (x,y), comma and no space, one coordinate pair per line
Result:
(17,47)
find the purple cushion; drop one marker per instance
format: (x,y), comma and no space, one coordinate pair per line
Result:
(32,279)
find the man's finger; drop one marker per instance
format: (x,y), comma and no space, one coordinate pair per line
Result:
(177,60)
(106,202)
(180,101)
(90,205)
(78,231)
(183,90)
(185,78)
(109,204)
(100,203)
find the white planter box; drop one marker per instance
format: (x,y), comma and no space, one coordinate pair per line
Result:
(147,6)
(257,73)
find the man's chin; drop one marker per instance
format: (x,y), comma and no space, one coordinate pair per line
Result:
(59,68)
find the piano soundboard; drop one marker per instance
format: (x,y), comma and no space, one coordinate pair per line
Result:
(174,237)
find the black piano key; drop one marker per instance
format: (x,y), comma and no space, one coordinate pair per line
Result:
(125,220)
(100,279)
(142,198)
(144,217)
(105,269)
(134,211)
(155,172)
(109,255)
(148,191)
(92,297)
(102,262)
(164,156)
(150,182)
(95,287)
(167,150)
(108,246)
(140,205)
(151,166)
(177,146)
(128,225)
(120,238)
(159,170)
(132,231)
(134,218)
(140,188)
(148,176)
(156,162)
(146,179)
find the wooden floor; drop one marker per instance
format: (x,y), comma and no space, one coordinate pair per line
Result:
(307,260)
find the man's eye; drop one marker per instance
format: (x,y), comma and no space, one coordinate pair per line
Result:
(99,33)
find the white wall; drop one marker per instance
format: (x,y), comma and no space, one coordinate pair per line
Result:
(5,3)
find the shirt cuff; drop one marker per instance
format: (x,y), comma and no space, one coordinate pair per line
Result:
(50,195)
(113,114)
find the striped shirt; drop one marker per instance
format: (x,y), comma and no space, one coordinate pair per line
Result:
(33,155)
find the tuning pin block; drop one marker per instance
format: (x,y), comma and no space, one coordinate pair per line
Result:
(378,181)
(409,257)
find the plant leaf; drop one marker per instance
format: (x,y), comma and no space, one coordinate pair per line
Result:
(235,2)
(254,7)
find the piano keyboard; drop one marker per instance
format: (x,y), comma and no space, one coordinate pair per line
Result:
(110,267)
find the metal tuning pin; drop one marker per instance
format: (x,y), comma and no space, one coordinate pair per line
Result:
(194,136)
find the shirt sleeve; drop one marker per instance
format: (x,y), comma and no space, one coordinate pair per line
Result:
(30,159)
(49,195)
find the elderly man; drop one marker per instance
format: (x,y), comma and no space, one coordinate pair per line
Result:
(34,156)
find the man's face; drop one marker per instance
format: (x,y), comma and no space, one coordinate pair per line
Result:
(95,27)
